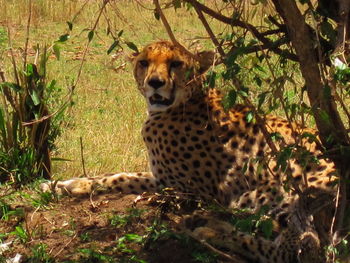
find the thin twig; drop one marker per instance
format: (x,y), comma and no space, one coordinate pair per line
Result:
(219,252)
(341,204)
(80,10)
(335,216)
(82,155)
(208,29)
(238,23)
(66,245)
(4,95)
(342,104)
(27,35)
(105,2)
(44,118)
(12,55)
(170,32)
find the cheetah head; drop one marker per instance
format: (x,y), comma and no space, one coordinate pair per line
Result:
(166,76)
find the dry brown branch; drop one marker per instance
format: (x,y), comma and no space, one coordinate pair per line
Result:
(336,231)
(170,32)
(333,126)
(223,255)
(105,2)
(236,22)
(342,104)
(256,48)
(44,118)
(82,155)
(343,29)
(303,44)
(6,91)
(207,28)
(66,245)
(27,34)
(12,54)
(80,10)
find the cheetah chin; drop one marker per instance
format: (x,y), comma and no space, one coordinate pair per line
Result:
(160,103)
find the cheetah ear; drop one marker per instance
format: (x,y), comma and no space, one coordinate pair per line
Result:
(206,60)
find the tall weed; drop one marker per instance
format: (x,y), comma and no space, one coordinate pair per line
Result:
(26,130)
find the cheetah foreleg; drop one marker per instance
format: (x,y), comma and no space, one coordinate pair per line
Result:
(136,183)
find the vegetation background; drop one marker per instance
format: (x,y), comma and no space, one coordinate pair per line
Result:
(99,112)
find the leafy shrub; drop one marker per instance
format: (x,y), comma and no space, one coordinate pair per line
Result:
(26,130)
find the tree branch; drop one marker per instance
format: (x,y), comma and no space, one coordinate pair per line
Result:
(270,46)
(321,104)
(343,30)
(207,27)
(330,126)
(236,22)
(170,32)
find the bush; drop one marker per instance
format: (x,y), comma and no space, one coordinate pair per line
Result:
(26,133)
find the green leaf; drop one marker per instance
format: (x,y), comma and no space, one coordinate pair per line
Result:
(113,46)
(56,51)
(230,99)
(35,98)
(266,227)
(120,33)
(70,25)
(63,38)
(275,136)
(52,85)
(249,117)
(245,225)
(211,79)
(261,99)
(156,15)
(11,85)
(260,68)
(132,46)
(177,4)
(243,92)
(91,35)
(258,81)
(30,70)
(283,157)
(2,126)
(328,31)
(133,238)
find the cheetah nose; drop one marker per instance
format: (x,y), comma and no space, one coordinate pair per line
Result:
(156,83)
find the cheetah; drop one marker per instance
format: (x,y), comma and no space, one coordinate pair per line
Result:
(196,146)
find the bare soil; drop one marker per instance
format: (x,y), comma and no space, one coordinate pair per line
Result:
(85,230)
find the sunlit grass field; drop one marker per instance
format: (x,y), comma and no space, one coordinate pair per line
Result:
(107,111)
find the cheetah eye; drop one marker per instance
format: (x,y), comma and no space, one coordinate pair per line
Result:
(144,63)
(176,64)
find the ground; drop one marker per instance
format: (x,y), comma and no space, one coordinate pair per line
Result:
(104,228)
